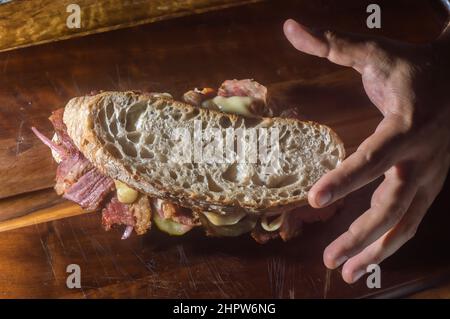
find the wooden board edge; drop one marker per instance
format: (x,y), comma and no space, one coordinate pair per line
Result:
(56,212)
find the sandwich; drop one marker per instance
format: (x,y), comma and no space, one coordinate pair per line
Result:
(225,160)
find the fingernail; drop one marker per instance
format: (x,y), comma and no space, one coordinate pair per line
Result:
(358,275)
(323,198)
(340,260)
(290,25)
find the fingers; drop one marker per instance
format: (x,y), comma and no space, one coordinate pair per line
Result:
(339,49)
(373,157)
(376,234)
(389,243)
(389,203)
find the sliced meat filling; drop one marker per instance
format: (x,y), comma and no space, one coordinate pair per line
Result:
(142,213)
(135,216)
(292,222)
(61,132)
(197,96)
(76,178)
(246,97)
(79,181)
(179,214)
(90,190)
(176,213)
(262,236)
(246,87)
(117,213)
(70,170)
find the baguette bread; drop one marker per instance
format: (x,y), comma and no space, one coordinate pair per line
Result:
(128,136)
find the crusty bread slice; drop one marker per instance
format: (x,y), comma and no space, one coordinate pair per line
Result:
(128,136)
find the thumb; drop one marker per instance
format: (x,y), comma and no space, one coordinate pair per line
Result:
(341,49)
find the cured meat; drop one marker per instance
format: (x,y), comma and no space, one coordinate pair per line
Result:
(90,190)
(197,96)
(61,151)
(249,88)
(135,216)
(142,213)
(117,213)
(70,170)
(293,222)
(245,87)
(291,226)
(181,215)
(61,132)
(262,236)
(76,178)
(79,181)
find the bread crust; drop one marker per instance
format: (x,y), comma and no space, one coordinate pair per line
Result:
(80,116)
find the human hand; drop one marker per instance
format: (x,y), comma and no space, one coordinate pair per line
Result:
(410,146)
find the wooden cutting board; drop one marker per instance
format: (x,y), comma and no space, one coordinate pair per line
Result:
(47,20)
(173,56)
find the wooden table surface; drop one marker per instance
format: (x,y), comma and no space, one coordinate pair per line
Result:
(173,56)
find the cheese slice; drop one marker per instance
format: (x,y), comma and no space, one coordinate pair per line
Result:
(224,220)
(170,227)
(273,225)
(125,194)
(234,104)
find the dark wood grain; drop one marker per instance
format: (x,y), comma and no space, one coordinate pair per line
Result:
(173,56)
(31,22)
